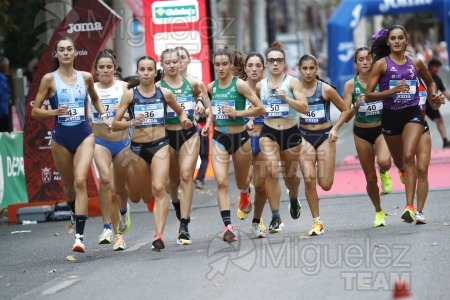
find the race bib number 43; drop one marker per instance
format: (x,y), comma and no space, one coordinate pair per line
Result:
(75,113)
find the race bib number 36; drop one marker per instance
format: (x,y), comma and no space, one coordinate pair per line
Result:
(217,107)
(154,114)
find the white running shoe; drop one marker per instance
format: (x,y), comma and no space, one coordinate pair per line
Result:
(105,237)
(78,246)
(257,232)
(420,219)
(124,221)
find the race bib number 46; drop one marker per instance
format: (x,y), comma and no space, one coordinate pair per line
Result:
(315,115)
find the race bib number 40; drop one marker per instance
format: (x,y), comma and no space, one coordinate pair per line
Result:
(370,109)
(217,107)
(153,113)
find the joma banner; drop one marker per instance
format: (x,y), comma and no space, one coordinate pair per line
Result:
(90,24)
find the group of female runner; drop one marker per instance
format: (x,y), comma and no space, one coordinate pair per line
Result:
(267,125)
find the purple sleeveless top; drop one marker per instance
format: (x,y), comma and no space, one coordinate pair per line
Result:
(395,73)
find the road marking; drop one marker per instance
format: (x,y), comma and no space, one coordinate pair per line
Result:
(59,286)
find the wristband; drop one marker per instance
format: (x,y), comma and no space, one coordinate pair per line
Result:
(200,100)
(355,108)
(103,115)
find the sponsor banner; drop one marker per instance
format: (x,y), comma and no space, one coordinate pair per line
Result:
(169,24)
(89,24)
(12,175)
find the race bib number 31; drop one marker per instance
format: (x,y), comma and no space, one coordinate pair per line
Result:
(217,107)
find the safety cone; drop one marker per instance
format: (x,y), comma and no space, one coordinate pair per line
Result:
(401,290)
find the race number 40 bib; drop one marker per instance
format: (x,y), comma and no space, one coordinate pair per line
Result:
(370,109)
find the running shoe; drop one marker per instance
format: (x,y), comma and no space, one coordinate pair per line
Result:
(241,215)
(446,144)
(244,202)
(158,243)
(276,225)
(408,214)
(317,228)
(124,221)
(228,234)
(401,174)
(199,185)
(257,231)
(184,238)
(105,237)
(420,219)
(119,243)
(386,182)
(78,246)
(295,208)
(379,219)
(261,224)
(151,205)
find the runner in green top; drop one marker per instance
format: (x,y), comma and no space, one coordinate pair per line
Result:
(230,136)
(184,144)
(369,141)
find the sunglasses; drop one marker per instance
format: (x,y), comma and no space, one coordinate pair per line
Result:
(273,60)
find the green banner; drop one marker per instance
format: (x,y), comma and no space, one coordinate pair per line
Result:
(12,175)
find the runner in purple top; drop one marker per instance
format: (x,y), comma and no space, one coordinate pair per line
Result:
(402,121)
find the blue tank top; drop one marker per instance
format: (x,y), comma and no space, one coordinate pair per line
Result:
(274,105)
(74,96)
(319,108)
(395,73)
(154,108)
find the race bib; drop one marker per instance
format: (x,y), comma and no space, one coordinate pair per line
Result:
(315,115)
(108,105)
(217,106)
(257,120)
(187,103)
(75,113)
(370,109)
(404,97)
(275,108)
(153,113)
(423,100)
